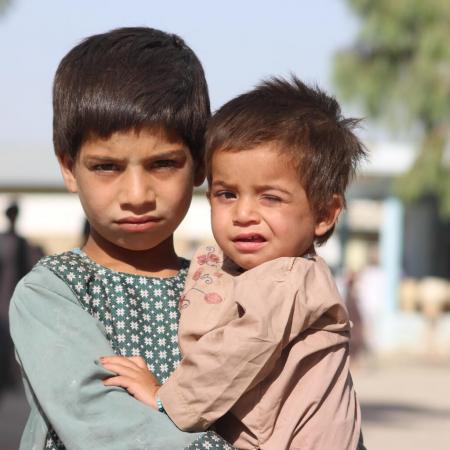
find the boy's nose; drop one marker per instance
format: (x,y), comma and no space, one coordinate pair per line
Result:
(137,191)
(245,213)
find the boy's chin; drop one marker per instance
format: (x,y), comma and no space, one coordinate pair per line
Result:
(141,246)
(134,244)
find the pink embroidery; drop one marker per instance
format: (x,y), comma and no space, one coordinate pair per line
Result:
(183,302)
(201,259)
(213,257)
(213,297)
(197,274)
(210,259)
(201,279)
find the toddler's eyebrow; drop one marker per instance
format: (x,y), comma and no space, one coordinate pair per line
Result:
(262,188)
(220,183)
(273,187)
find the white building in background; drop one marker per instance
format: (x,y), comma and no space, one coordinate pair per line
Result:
(53,218)
(375,223)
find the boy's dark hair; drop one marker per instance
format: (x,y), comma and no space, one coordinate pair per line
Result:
(299,120)
(129,78)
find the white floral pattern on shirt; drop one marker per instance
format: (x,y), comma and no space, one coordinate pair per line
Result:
(140,315)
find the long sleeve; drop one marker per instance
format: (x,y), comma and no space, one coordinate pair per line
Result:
(273,304)
(57,345)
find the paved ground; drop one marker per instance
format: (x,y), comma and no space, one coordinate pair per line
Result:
(13,413)
(405,406)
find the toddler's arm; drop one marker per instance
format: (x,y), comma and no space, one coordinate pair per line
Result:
(132,374)
(273,306)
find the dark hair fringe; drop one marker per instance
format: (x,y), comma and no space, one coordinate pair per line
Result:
(129,78)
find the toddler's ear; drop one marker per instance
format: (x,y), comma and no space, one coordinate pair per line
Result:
(66,165)
(334,209)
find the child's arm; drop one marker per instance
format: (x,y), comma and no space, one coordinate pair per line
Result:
(274,306)
(57,344)
(132,374)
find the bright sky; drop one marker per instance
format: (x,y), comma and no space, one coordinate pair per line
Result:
(238,42)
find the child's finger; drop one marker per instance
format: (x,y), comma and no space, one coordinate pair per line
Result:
(120,369)
(139,361)
(118,360)
(115,358)
(120,381)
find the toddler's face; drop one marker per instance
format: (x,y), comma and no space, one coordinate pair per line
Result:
(135,188)
(259,209)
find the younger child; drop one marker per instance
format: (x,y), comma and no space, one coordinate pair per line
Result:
(264,333)
(130,111)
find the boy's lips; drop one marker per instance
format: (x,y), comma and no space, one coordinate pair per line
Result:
(249,242)
(138,223)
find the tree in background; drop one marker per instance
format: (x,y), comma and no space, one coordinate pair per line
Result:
(3,5)
(398,71)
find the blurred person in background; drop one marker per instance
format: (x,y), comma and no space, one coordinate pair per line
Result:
(17,257)
(352,301)
(370,289)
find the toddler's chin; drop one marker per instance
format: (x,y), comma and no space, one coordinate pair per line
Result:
(248,263)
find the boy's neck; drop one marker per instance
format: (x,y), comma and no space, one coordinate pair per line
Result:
(160,261)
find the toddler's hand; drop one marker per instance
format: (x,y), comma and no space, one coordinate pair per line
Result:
(133,375)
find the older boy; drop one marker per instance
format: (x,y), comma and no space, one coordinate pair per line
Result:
(130,110)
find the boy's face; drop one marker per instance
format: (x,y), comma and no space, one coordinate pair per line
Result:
(259,208)
(135,187)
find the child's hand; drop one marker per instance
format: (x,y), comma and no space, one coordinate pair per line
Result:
(133,375)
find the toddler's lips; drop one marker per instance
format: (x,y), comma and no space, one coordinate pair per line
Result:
(249,242)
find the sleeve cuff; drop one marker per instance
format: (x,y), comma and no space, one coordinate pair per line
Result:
(178,409)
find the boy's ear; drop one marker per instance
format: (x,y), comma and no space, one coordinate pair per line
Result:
(67,166)
(334,209)
(199,174)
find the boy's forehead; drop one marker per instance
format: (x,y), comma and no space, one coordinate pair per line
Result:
(158,131)
(131,141)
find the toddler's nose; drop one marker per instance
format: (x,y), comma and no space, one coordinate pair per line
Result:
(245,212)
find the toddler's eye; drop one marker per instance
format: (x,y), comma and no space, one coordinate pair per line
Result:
(227,195)
(272,198)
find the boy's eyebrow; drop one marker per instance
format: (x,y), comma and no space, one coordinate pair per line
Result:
(169,154)
(98,158)
(162,155)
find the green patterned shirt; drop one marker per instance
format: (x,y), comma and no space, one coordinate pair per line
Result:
(140,316)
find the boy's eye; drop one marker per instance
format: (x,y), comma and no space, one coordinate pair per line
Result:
(105,167)
(164,163)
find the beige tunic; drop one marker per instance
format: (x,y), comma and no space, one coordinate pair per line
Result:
(270,347)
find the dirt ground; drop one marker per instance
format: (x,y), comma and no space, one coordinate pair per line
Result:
(404,406)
